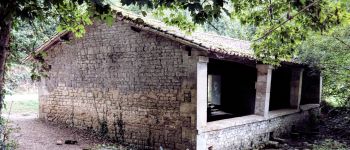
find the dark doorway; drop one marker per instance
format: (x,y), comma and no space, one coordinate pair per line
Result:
(231,89)
(311,91)
(280,88)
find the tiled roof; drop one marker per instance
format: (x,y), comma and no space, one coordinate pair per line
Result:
(204,41)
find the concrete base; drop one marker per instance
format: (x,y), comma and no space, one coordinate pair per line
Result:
(250,131)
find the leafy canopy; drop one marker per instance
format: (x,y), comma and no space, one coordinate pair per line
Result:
(330,53)
(281,25)
(24,38)
(72,15)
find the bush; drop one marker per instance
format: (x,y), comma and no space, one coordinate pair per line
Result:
(330,144)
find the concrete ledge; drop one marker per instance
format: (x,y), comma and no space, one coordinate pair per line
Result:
(281,112)
(226,123)
(231,122)
(308,106)
(249,131)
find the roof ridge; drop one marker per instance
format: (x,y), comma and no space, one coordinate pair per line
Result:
(208,42)
(122,10)
(222,36)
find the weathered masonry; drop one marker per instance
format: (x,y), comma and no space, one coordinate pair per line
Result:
(150,86)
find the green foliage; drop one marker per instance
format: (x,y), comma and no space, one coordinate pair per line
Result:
(15,76)
(330,144)
(280,45)
(25,38)
(281,25)
(40,67)
(174,16)
(34,22)
(230,27)
(330,53)
(7,129)
(73,17)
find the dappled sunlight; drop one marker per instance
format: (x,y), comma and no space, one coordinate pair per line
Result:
(21,104)
(21,97)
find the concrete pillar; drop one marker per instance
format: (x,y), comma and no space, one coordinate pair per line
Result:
(296,86)
(321,86)
(202,95)
(263,87)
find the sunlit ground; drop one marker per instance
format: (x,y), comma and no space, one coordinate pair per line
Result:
(21,103)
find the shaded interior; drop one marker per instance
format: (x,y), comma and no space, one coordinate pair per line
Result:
(280,88)
(237,90)
(310,93)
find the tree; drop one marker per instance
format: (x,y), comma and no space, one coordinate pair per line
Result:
(72,16)
(232,28)
(24,39)
(330,53)
(281,25)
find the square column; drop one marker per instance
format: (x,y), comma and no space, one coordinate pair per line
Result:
(202,100)
(202,92)
(296,86)
(263,87)
(320,86)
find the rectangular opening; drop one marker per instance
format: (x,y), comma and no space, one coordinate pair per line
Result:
(231,90)
(280,88)
(311,87)
(214,89)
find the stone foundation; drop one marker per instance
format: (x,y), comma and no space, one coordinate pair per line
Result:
(249,131)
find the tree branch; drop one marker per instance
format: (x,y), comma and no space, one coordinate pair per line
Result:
(284,22)
(213,26)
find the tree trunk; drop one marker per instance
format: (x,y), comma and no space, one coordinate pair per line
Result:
(5,29)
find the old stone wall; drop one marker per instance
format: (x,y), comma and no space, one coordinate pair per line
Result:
(249,135)
(134,86)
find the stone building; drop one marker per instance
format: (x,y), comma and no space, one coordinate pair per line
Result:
(149,85)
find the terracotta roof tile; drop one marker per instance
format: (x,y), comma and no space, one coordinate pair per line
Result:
(206,41)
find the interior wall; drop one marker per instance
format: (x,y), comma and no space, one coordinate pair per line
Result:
(237,86)
(280,88)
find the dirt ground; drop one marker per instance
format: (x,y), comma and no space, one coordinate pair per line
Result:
(34,134)
(329,131)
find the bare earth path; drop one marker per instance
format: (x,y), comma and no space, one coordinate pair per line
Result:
(37,135)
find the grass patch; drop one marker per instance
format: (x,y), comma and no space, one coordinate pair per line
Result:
(27,103)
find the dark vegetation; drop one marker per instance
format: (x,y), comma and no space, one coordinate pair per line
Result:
(330,130)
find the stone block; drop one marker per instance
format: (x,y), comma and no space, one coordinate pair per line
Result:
(132,79)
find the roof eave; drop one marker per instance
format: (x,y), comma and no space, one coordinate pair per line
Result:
(48,44)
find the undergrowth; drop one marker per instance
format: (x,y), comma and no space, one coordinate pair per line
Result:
(6,129)
(329,144)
